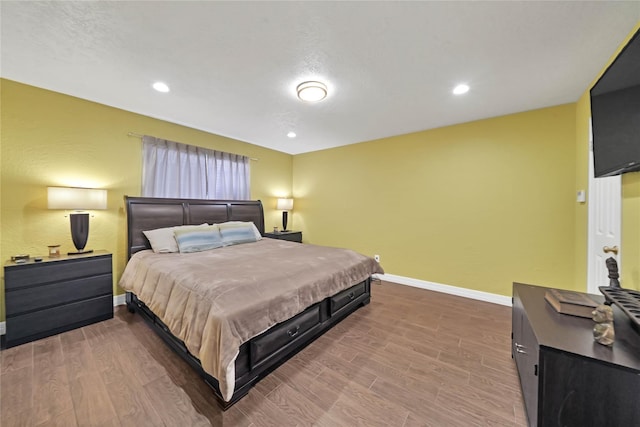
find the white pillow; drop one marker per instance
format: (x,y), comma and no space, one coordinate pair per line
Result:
(163,239)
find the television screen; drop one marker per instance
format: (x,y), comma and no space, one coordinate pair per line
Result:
(615,114)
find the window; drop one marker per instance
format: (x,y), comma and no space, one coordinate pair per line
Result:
(174,170)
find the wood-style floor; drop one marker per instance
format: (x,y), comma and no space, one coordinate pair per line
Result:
(410,358)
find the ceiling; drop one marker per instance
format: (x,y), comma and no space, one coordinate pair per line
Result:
(390,66)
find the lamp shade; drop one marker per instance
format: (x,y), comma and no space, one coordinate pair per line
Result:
(284,204)
(76,198)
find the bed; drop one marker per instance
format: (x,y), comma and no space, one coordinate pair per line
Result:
(232,323)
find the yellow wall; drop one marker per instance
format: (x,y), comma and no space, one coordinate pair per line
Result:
(50,139)
(630,274)
(477,205)
(630,245)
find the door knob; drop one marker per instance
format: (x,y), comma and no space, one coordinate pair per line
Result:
(607,249)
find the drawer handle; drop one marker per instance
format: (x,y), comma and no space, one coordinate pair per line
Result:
(521,351)
(293,332)
(519,346)
(352,296)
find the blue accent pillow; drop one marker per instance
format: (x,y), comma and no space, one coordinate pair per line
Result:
(163,240)
(198,240)
(236,232)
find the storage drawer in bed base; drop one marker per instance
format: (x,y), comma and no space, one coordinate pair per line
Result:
(264,353)
(344,298)
(134,304)
(283,335)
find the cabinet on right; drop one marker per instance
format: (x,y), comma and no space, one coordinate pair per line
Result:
(567,378)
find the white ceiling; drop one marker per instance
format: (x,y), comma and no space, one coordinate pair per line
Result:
(390,66)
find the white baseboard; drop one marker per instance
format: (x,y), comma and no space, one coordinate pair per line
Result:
(447,289)
(117,300)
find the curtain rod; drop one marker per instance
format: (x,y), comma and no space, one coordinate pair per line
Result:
(139,135)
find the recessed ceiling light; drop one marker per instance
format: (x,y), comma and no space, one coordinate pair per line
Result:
(291,134)
(312,91)
(161,87)
(460,89)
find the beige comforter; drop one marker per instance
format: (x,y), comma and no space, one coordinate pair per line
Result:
(216,300)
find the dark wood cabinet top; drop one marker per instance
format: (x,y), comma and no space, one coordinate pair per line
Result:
(281,233)
(48,259)
(291,236)
(575,334)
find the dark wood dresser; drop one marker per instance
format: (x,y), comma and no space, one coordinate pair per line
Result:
(55,295)
(292,236)
(567,378)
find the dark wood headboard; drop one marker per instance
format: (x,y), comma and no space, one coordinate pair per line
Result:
(148,213)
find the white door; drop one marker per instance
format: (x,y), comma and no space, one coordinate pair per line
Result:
(605,213)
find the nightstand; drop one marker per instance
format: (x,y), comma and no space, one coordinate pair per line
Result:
(55,295)
(292,236)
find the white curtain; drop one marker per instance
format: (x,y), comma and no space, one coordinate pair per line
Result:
(175,170)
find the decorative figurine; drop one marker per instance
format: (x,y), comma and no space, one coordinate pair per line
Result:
(54,251)
(612,266)
(603,331)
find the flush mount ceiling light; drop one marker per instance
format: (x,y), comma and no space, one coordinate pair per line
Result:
(291,134)
(312,91)
(161,87)
(460,89)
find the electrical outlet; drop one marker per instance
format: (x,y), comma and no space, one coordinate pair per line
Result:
(376,257)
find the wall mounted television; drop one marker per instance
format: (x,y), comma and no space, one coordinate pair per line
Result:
(615,114)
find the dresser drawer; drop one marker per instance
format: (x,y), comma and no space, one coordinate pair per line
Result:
(277,338)
(28,299)
(345,297)
(57,319)
(56,271)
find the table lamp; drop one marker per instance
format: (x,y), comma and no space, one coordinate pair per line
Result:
(77,199)
(284,205)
